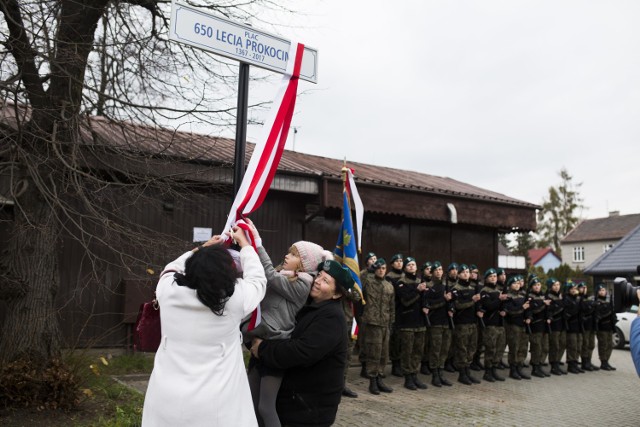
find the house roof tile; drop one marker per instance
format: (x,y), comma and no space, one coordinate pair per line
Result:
(609,228)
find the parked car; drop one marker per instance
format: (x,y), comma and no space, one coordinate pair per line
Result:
(623,327)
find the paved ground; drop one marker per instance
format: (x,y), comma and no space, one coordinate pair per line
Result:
(591,399)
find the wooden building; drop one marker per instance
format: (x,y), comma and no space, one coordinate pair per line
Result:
(425,216)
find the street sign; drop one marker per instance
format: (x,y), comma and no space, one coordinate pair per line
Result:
(237,41)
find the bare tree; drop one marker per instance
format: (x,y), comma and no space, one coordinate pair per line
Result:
(63,62)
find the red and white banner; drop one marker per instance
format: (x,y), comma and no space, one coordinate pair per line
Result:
(268,150)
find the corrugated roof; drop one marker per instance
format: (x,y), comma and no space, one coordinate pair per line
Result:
(623,257)
(187,146)
(611,227)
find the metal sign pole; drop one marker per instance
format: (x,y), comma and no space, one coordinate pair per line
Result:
(241,126)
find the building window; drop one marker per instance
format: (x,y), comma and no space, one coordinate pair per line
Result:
(578,254)
(606,247)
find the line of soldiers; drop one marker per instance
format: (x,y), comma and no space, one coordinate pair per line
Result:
(429,322)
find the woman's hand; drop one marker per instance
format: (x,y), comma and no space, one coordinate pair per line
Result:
(214,240)
(255,344)
(254,232)
(239,237)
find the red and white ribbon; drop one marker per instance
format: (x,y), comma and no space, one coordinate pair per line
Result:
(268,151)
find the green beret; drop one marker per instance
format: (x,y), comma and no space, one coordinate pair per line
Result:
(396,257)
(473,267)
(499,271)
(582,285)
(408,259)
(550,281)
(369,256)
(569,285)
(489,272)
(379,263)
(452,266)
(511,280)
(436,264)
(534,281)
(462,267)
(600,286)
(338,272)
(426,265)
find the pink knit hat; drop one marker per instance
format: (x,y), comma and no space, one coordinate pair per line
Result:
(311,255)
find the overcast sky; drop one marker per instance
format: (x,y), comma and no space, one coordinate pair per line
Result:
(498,94)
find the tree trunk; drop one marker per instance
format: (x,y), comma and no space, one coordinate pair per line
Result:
(31,327)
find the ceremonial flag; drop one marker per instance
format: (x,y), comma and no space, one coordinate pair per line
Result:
(345,251)
(268,150)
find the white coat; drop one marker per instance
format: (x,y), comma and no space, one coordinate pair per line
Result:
(199,378)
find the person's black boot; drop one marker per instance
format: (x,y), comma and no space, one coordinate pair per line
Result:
(471,377)
(522,374)
(435,378)
(488,375)
(463,378)
(502,365)
(382,386)
(373,385)
(513,373)
(424,368)
(606,367)
(347,392)
(443,380)
(448,366)
(586,366)
(555,368)
(476,365)
(593,367)
(495,375)
(408,382)
(396,371)
(363,370)
(573,367)
(418,383)
(536,371)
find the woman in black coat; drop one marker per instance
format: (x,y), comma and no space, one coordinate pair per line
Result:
(314,357)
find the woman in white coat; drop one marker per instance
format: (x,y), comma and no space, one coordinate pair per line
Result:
(199,377)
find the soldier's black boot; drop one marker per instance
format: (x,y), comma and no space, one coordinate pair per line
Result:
(545,373)
(488,376)
(471,377)
(586,366)
(418,383)
(448,366)
(582,371)
(443,380)
(522,374)
(435,378)
(555,368)
(593,367)
(476,365)
(536,371)
(424,368)
(606,367)
(573,367)
(347,392)
(502,365)
(373,385)
(495,375)
(408,382)
(382,386)
(363,370)
(463,378)
(513,373)
(396,371)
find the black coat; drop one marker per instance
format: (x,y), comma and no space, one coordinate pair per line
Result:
(314,360)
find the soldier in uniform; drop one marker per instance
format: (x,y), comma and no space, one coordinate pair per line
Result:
(501,285)
(557,334)
(436,307)
(474,278)
(574,326)
(426,279)
(449,283)
(605,321)
(523,345)
(392,277)
(587,308)
(466,325)
(537,318)
(490,305)
(365,274)
(410,324)
(514,308)
(378,314)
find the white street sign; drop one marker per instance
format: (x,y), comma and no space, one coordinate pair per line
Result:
(237,41)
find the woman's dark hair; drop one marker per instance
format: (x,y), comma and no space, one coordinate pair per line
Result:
(212,273)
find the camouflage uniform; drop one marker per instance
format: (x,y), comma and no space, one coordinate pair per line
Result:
(465,338)
(394,339)
(574,330)
(514,319)
(538,326)
(440,330)
(557,336)
(493,335)
(606,320)
(410,322)
(588,307)
(378,314)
